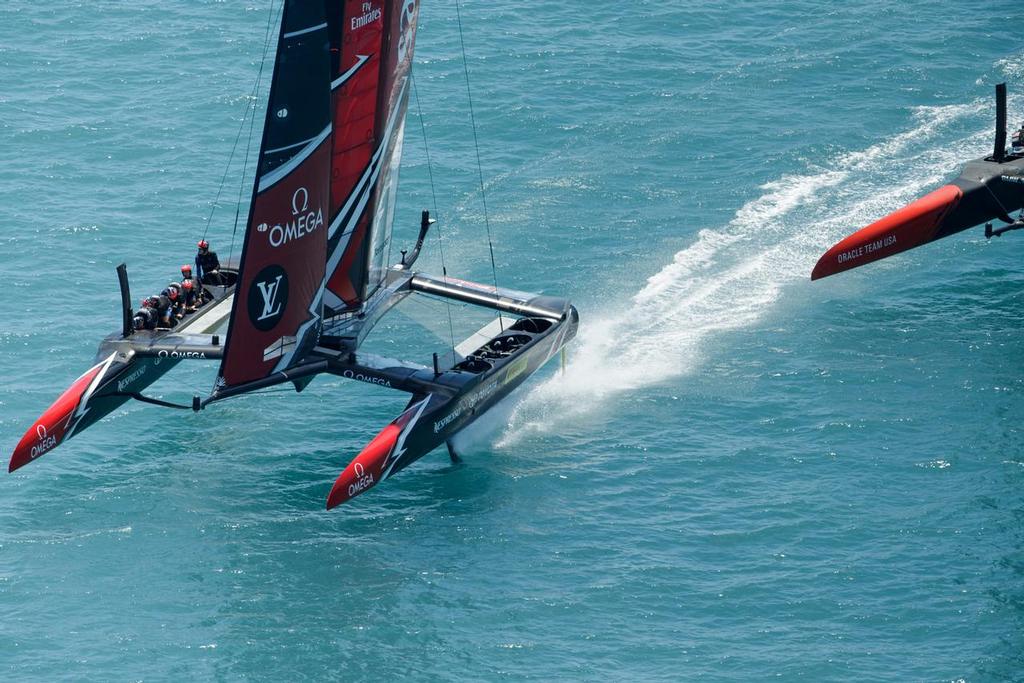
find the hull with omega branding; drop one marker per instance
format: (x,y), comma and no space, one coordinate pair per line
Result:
(450,401)
(124,367)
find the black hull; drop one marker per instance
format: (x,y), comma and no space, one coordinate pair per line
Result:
(124,367)
(447,403)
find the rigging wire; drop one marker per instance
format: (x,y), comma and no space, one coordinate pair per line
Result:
(250,103)
(476,144)
(433,195)
(227,169)
(252,123)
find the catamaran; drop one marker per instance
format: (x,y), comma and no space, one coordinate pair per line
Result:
(312,279)
(988,189)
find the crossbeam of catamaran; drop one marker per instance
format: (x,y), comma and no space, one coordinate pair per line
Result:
(312,281)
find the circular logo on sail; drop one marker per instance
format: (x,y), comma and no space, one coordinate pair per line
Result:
(268,297)
(407,25)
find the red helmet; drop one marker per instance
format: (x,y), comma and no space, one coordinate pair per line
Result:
(203,244)
(186,269)
(187,284)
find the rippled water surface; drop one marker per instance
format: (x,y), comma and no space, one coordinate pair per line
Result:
(740,476)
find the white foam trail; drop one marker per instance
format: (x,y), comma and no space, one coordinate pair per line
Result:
(729,277)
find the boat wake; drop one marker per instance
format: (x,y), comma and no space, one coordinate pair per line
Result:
(730,277)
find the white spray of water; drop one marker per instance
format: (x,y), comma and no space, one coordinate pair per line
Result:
(730,276)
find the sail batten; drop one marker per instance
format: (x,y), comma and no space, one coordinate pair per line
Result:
(281,171)
(304,31)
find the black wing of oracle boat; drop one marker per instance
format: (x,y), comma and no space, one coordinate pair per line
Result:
(126,363)
(988,189)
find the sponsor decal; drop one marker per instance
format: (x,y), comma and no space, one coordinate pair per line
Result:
(863,250)
(447,420)
(369,15)
(362,482)
(468,403)
(180,354)
(406,27)
(46,442)
(268,297)
(304,221)
(123,384)
(515,369)
(369,379)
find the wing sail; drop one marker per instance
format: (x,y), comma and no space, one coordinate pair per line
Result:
(277,310)
(371,46)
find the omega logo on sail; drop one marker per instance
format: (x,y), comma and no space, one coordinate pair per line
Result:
(303,222)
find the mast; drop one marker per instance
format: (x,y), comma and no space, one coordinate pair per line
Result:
(277,311)
(371,48)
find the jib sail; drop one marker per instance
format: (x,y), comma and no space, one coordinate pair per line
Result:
(277,311)
(371,59)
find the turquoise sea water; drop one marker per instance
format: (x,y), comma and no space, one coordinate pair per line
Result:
(741,475)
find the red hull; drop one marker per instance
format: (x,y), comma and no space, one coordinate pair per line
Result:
(911,226)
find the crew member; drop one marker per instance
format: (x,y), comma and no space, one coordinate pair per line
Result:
(189,296)
(145,318)
(164,310)
(201,295)
(174,293)
(208,265)
(1017,140)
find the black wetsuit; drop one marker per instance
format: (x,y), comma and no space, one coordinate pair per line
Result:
(206,265)
(147,318)
(189,298)
(164,310)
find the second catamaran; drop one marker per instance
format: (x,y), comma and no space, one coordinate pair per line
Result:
(312,279)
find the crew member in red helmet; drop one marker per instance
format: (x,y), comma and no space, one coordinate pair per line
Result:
(208,265)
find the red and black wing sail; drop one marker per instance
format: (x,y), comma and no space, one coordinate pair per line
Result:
(371,60)
(277,311)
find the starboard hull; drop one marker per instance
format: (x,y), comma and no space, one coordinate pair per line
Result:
(433,418)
